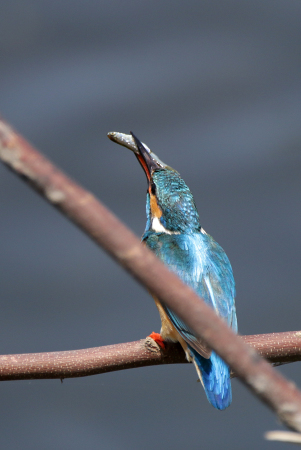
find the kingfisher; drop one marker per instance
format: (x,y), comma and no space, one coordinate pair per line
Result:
(173,232)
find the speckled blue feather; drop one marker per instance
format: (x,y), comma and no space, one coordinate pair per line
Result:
(202,264)
(179,213)
(216,379)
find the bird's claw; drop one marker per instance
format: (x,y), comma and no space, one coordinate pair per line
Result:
(158,339)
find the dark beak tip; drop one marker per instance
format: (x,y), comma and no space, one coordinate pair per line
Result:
(137,141)
(134,136)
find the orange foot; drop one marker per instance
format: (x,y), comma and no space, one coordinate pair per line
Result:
(157,338)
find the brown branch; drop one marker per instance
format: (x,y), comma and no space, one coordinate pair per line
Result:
(279,348)
(107,231)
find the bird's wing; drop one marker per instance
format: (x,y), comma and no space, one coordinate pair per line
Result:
(203,265)
(220,281)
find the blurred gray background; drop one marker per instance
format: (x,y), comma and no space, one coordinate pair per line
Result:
(214,89)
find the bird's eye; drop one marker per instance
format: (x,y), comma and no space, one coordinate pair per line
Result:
(153,188)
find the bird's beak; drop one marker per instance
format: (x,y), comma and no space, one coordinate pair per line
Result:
(148,160)
(148,163)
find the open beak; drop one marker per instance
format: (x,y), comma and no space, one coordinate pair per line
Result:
(148,160)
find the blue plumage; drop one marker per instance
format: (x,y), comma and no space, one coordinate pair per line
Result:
(216,379)
(173,232)
(202,264)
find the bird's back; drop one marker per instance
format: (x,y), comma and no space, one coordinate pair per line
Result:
(202,264)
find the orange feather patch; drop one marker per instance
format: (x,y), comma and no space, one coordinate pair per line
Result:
(155,208)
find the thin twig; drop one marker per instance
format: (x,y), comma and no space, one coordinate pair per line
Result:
(284,436)
(278,348)
(107,231)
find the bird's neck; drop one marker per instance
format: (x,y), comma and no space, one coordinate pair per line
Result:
(163,220)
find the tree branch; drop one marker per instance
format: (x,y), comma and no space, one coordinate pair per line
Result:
(284,436)
(107,231)
(278,348)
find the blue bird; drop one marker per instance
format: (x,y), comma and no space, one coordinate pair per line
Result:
(173,232)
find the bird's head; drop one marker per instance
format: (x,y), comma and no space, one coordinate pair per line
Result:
(170,206)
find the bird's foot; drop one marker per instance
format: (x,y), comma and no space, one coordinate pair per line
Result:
(158,339)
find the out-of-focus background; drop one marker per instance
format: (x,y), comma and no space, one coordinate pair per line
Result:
(214,88)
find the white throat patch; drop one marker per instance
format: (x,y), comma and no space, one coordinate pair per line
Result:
(159,228)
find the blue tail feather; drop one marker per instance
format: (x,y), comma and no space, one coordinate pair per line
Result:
(216,379)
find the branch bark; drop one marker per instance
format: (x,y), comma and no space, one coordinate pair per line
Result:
(107,231)
(278,348)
